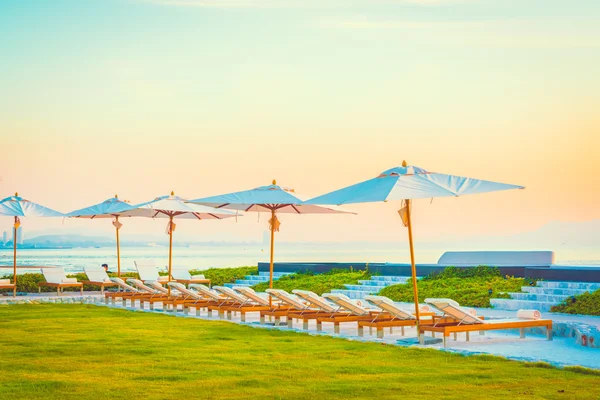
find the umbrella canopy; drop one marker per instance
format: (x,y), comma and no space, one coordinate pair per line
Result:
(274,199)
(15,206)
(109,208)
(266,199)
(175,207)
(406,183)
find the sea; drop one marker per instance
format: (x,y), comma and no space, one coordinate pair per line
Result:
(227,256)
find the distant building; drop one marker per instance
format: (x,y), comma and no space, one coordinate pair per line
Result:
(19,238)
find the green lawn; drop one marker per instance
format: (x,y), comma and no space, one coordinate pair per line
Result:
(91,352)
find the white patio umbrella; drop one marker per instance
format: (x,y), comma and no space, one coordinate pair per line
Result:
(172,207)
(15,206)
(405,183)
(110,208)
(273,199)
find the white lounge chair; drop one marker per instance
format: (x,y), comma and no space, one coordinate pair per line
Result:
(55,277)
(149,272)
(97,276)
(127,292)
(238,303)
(320,306)
(188,298)
(465,321)
(182,275)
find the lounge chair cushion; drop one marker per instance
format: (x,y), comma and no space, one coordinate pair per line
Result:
(4,281)
(198,276)
(69,280)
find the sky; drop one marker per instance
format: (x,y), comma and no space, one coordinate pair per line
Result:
(203,97)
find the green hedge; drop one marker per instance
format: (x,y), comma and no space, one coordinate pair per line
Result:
(469,287)
(585,304)
(220,276)
(321,283)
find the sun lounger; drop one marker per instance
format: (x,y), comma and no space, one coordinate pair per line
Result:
(127,292)
(55,277)
(391,316)
(276,308)
(238,303)
(188,298)
(149,273)
(183,276)
(353,312)
(322,307)
(464,321)
(97,276)
(295,308)
(5,284)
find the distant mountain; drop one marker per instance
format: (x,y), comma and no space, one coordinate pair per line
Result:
(68,240)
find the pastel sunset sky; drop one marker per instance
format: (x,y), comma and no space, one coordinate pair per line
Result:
(141,97)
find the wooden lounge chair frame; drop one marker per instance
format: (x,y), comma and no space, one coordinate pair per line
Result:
(470,323)
(97,282)
(58,285)
(191,278)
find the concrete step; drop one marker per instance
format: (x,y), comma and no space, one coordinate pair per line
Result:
(376,283)
(511,304)
(539,297)
(353,294)
(259,278)
(230,285)
(545,290)
(397,279)
(278,274)
(365,288)
(569,285)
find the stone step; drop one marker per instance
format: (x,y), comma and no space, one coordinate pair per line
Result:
(544,290)
(231,285)
(511,304)
(381,284)
(259,278)
(353,294)
(539,297)
(365,288)
(398,279)
(569,285)
(278,274)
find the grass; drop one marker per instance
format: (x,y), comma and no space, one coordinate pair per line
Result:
(585,304)
(321,283)
(88,352)
(470,287)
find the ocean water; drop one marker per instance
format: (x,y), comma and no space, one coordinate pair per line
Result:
(226,256)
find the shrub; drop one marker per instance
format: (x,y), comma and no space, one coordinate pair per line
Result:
(318,283)
(586,303)
(481,271)
(220,276)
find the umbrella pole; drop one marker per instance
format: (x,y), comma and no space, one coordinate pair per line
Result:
(15,258)
(170,251)
(412,265)
(118,248)
(272,251)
